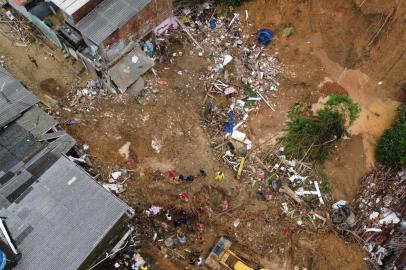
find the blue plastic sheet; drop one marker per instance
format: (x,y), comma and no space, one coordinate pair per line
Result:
(213,23)
(229,127)
(265,36)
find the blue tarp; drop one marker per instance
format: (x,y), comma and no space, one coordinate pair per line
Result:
(229,127)
(265,36)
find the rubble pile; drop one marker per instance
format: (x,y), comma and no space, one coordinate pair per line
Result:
(81,100)
(381,209)
(245,72)
(19,30)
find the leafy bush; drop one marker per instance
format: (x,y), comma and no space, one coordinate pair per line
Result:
(353,108)
(312,137)
(391,148)
(402,113)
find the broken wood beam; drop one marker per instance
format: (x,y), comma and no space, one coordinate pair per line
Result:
(285,189)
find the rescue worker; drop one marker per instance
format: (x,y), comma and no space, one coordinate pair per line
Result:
(219,176)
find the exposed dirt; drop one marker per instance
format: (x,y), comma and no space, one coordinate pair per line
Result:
(330,45)
(346,167)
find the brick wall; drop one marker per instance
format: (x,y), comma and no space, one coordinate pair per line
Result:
(143,23)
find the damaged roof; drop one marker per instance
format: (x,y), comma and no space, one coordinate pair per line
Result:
(56,213)
(130,68)
(14,98)
(107,17)
(61,218)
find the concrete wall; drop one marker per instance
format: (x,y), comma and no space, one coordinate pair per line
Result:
(136,28)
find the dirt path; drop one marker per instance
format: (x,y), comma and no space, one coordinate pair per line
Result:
(53,78)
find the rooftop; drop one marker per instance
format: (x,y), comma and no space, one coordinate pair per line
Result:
(70,6)
(14,98)
(61,218)
(107,17)
(130,68)
(56,213)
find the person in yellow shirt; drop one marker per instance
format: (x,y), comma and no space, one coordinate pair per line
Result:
(144,267)
(219,176)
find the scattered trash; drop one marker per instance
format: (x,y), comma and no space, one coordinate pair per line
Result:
(213,23)
(184,197)
(171,173)
(154,210)
(116,175)
(115,188)
(124,151)
(181,239)
(229,127)
(169,243)
(149,48)
(227,59)
(71,121)
(156,145)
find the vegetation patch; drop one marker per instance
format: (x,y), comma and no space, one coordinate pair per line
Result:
(353,108)
(391,148)
(312,138)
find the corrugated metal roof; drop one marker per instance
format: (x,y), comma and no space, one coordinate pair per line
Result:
(14,98)
(56,213)
(68,213)
(70,6)
(107,17)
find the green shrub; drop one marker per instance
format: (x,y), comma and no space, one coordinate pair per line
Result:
(402,113)
(391,148)
(312,137)
(353,108)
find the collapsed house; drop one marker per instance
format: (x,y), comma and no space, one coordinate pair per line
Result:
(103,34)
(53,215)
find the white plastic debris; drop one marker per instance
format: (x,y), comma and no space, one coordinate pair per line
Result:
(154,210)
(238,136)
(156,145)
(116,175)
(134,59)
(10,16)
(227,59)
(373,215)
(389,217)
(339,204)
(316,185)
(236,222)
(125,150)
(229,90)
(116,188)
(373,230)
